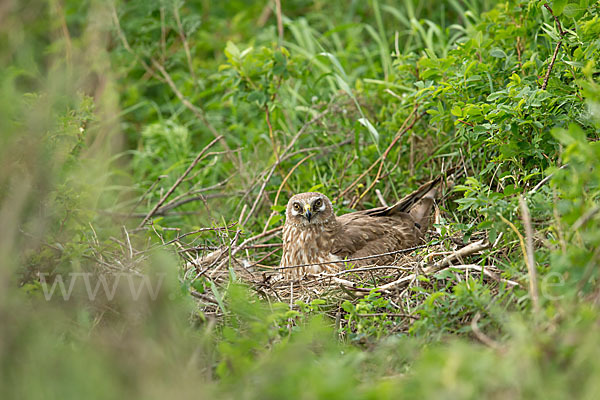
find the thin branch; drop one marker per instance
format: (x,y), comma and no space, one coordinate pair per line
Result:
(179,180)
(545,83)
(545,180)
(204,297)
(482,337)
(562,34)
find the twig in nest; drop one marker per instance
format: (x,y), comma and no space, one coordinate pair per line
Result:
(484,271)
(355,259)
(178,182)
(469,249)
(383,314)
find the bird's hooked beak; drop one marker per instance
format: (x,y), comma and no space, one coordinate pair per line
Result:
(307,213)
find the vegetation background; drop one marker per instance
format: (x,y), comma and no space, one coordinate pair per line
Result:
(103,106)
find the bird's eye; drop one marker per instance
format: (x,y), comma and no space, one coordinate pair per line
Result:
(318,203)
(296,206)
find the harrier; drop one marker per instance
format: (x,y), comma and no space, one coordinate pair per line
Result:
(313,234)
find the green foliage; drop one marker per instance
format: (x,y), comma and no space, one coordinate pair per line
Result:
(103,109)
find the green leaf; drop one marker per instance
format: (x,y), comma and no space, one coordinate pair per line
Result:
(558,6)
(275,219)
(231,51)
(573,10)
(315,187)
(498,53)
(365,122)
(457,111)
(348,307)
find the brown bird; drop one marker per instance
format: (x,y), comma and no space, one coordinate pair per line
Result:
(313,234)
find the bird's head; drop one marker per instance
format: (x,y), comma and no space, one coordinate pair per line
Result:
(308,208)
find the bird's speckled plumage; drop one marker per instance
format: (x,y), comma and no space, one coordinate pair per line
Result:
(313,234)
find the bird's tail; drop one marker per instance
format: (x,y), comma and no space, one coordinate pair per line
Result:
(419,202)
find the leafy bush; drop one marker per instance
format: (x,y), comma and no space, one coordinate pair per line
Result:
(105,109)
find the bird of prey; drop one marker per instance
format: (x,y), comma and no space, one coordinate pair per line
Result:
(313,234)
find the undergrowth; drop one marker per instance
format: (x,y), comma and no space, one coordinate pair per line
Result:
(140,137)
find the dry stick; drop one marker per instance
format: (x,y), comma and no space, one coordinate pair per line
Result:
(482,337)
(181,200)
(128,242)
(545,180)
(551,65)
(484,271)
(286,156)
(560,30)
(204,297)
(380,197)
(469,249)
(281,187)
(530,255)
(139,201)
(179,180)
(269,254)
(264,15)
(388,315)
(243,245)
(463,252)
(584,219)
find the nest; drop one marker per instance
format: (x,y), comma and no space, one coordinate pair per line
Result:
(412,268)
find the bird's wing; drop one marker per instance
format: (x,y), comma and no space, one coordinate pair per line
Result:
(418,204)
(385,229)
(364,235)
(407,203)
